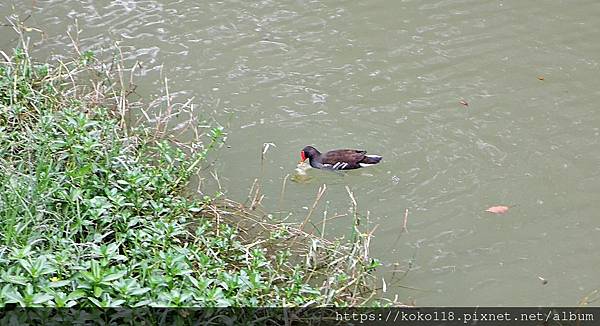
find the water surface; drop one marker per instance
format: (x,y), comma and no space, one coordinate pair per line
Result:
(389,77)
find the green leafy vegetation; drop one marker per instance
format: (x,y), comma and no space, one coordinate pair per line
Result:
(95,210)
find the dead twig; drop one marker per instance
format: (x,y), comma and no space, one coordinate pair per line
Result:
(405,221)
(320,193)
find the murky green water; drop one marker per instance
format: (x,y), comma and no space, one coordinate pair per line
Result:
(388,76)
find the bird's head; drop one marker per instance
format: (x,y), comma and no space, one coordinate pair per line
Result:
(308,152)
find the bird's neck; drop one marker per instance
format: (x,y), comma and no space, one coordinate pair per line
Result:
(314,159)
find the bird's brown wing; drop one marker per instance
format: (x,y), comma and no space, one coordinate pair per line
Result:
(350,156)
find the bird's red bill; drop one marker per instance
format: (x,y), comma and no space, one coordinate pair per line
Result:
(302,156)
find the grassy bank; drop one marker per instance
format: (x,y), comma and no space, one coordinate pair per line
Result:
(95,208)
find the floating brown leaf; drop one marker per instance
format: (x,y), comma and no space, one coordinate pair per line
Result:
(463,102)
(541,77)
(497,209)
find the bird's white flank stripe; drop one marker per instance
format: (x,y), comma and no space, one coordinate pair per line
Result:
(339,166)
(373,156)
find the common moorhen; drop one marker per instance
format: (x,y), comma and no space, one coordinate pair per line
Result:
(339,159)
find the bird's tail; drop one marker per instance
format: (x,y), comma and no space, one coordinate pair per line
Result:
(371,159)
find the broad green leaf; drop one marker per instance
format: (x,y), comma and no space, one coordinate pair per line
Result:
(41,298)
(58,284)
(114,276)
